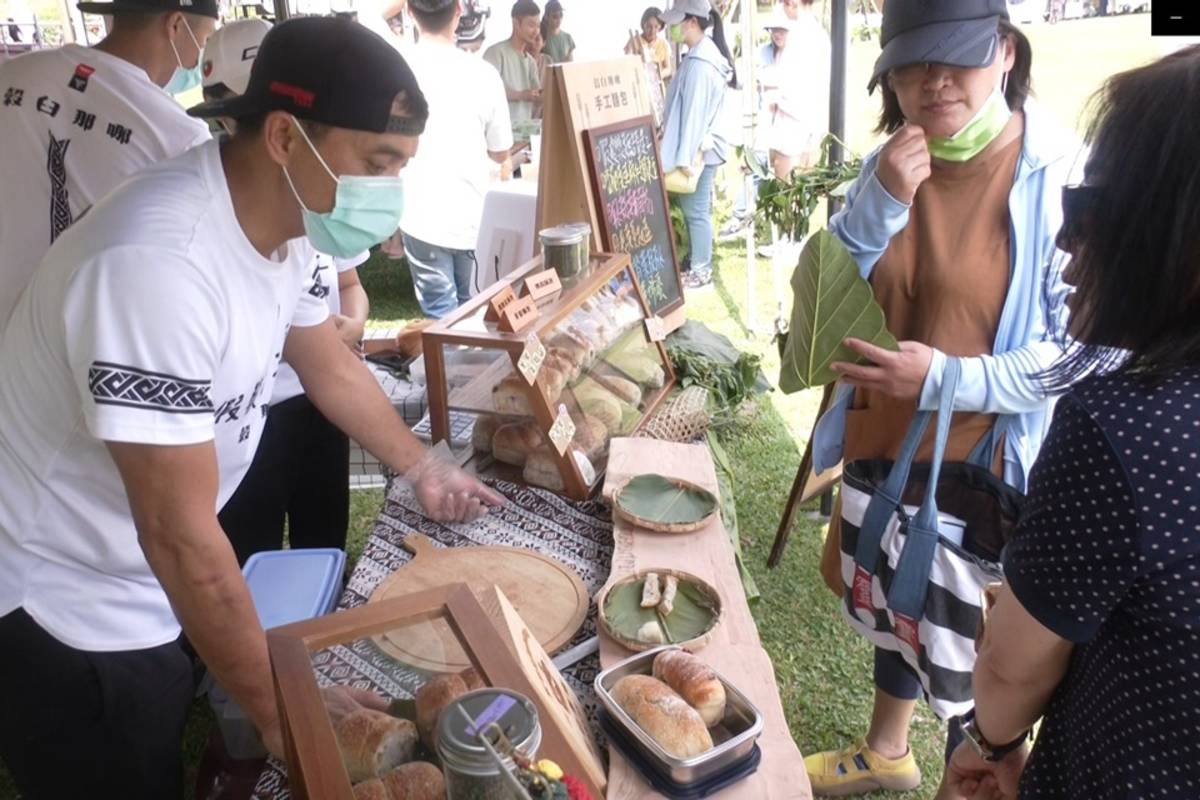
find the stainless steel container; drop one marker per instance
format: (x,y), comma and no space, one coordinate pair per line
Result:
(734,737)
(471,773)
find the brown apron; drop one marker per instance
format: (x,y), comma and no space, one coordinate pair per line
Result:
(942,281)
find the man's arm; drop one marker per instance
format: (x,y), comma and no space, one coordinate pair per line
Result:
(356,307)
(173,496)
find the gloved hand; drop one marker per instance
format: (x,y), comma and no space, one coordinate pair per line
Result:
(446,492)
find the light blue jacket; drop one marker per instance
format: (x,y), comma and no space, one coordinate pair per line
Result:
(694,109)
(1033,321)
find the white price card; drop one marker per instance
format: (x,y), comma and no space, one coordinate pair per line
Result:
(532,358)
(562,432)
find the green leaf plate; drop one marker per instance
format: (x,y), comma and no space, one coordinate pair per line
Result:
(696,612)
(666,505)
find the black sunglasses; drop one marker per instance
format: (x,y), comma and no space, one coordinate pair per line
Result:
(1079,205)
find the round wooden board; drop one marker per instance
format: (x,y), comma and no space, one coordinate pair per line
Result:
(549,596)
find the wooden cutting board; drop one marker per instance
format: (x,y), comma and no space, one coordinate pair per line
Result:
(548,595)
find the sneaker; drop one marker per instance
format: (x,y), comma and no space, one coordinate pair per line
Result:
(768,250)
(698,279)
(734,227)
(860,770)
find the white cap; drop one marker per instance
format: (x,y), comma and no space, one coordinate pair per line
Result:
(780,19)
(682,8)
(230,51)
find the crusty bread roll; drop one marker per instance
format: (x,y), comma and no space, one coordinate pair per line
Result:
(541,469)
(603,407)
(510,396)
(437,693)
(564,360)
(513,443)
(416,781)
(578,349)
(472,680)
(482,433)
(591,436)
(625,389)
(373,742)
(694,681)
(663,715)
(553,381)
(371,790)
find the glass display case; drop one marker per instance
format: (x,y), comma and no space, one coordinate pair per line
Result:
(536,385)
(354,711)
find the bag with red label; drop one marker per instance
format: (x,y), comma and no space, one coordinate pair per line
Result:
(919,545)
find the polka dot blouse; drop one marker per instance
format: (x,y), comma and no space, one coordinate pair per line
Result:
(1107,555)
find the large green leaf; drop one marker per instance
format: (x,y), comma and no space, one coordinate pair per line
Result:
(658,499)
(832,303)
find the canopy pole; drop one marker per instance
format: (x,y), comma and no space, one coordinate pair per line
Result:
(839,35)
(750,120)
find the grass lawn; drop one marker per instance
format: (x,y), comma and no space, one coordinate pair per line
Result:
(823,671)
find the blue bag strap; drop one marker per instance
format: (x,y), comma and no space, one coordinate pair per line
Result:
(886,498)
(984,454)
(910,583)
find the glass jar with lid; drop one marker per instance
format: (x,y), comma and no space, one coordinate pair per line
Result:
(566,249)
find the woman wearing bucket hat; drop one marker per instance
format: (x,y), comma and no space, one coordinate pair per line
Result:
(692,145)
(953,221)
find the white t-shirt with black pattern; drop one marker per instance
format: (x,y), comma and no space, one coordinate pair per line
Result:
(1107,555)
(152,320)
(75,122)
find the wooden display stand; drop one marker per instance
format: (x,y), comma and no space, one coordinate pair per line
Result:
(500,647)
(735,650)
(470,326)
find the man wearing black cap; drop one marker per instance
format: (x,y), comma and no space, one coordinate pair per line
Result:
(133,378)
(75,121)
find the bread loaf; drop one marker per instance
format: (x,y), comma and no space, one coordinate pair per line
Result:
(541,469)
(482,433)
(552,380)
(510,396)
(591,436)
(513,443)
(694,681)
(416,781)
(562,359)
(624,389)
(472,680)
(432,698)
(663,715)
(373,742)
(577,349)
(371,790)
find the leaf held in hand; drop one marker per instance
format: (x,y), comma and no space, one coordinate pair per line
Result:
(832,303)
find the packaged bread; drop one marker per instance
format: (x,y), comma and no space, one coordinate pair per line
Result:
(371,790)
(578,350)
(512,443)
(437,693)
(482,433)
(541,469)
(591,436)
(373,742)
(419,780)
(663,715)
(694,681)
(624,389)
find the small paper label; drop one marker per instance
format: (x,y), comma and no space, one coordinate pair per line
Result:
(862,589)
(562,432)
(656,329)
(532,358)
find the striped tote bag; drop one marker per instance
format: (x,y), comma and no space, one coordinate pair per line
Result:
(919,544)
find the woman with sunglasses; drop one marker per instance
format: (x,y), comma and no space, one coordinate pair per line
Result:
(1095,632)
(953,221)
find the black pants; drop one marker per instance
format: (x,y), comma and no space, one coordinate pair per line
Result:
(84,724)
(301,471)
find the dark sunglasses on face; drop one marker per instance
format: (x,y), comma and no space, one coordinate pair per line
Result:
(1079,207)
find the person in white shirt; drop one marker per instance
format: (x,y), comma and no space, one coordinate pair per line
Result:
(468,129)
(76,121)
(513,59)
(134,375)
(301,471)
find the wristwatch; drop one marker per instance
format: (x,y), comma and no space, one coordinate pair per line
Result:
(986,750)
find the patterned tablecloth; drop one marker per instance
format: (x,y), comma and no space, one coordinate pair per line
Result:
(577,534)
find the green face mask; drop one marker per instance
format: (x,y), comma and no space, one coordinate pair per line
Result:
(676,33)
(981,131)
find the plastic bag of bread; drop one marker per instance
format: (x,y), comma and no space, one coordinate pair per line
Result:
(373,742)
(416,781)
(694,681)
(663,715)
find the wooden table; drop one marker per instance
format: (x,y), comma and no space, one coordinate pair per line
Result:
(735,651)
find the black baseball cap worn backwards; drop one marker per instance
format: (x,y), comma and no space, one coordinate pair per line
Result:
(203,8)
(331,71)
(960,33)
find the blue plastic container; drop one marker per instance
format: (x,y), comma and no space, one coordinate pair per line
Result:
(287,586)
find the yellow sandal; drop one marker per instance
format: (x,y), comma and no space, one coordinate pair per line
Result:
(860,770)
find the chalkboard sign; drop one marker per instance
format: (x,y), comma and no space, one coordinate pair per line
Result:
(635,218)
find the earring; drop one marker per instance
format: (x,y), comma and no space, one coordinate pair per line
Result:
(1004,84)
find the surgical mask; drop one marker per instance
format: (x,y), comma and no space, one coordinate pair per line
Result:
(185,79)
(676,33)
(366,210)
(976,135)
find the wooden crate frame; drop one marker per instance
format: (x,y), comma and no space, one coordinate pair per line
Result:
(602,269)
(495,639)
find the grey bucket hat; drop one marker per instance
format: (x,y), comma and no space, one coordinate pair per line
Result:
(682,8)
(961,33)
